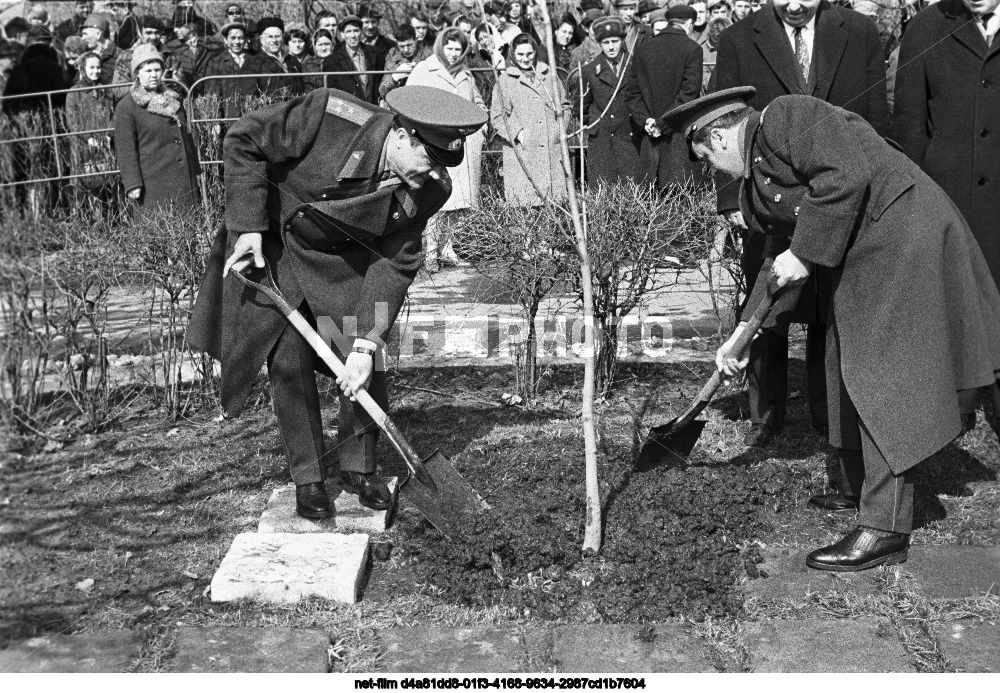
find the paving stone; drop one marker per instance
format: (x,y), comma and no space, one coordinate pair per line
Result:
(595,649)
(351,517)
(87,652)
(461,650)
(816,645)
(251,650)
(788,576)
(955,572)
(972,647)
(286,567)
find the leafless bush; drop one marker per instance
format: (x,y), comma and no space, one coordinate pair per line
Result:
(166,250)
(638,240)
(522,249)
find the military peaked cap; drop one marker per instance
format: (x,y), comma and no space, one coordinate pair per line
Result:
(439,119)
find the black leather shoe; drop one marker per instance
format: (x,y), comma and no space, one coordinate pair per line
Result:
(861,549)
(372,491)
(760,436)
(312,502)
(968,422)
(834,502)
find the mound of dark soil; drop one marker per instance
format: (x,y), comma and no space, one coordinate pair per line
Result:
(670,545)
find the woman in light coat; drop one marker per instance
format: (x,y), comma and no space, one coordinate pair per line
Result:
(523,94)
(447,69)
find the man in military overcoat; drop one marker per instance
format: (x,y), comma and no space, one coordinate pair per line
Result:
(333,194)
(914,316)
(613,140)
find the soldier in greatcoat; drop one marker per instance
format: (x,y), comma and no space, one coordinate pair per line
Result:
(914,315)
(333,193)
(613,140)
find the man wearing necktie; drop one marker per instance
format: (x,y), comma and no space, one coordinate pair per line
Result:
(334,194)
(353,56)
(818,49)
(947,119)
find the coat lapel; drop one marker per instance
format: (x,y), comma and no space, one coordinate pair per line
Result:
(607,72)
(828,49)
(772,42)
(965,31)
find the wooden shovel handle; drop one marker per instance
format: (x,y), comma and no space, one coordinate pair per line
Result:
(324,351)
(739,346)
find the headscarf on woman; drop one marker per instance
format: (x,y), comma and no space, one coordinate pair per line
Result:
(444,38)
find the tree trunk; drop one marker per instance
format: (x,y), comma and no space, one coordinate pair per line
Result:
(592,530)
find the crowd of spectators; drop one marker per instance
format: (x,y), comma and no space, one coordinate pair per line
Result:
(625,61)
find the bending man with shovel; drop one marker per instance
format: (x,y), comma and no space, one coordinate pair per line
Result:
(915,315)
(332,195)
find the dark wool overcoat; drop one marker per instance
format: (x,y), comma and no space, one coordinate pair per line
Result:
(613,143)
(666,72)
(157,154)
(847,70)
(232,93)
(915,314)
(947,114)
(306,174)
(339,61)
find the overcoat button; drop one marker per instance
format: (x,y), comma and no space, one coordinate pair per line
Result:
(300,214)
(395,215)
(323,196)
(796,211)
(767,181)
(982,181)
(757,159)
(777,198)
(984,132)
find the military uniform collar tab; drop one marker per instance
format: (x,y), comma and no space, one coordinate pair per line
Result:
(754,122)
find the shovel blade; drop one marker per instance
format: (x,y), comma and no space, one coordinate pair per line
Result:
(669,444)
(454,501)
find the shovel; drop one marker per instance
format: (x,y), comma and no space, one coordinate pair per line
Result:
(441,494)
(672,442)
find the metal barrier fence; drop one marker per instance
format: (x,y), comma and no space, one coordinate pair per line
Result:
(59,130)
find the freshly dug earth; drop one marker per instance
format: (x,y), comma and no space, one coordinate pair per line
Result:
(672,536)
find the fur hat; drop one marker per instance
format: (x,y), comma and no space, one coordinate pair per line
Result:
(144,53)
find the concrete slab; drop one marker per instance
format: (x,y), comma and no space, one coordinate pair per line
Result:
(972,647)
(955,572)
(460,650)
(816,645)
(251,650)
(286,567)
(789,577)
(70,654)
(628,648)
(351,517)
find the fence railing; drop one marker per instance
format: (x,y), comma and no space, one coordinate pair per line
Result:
(59,130)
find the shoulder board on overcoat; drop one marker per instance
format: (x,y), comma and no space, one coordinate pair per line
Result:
(356,113)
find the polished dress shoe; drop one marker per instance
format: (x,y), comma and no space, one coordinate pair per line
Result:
(371,491)
(312,502)
(834,502)
(861,549)
(760,436)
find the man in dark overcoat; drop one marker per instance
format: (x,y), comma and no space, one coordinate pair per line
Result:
(613,140)
(333,193)
(351,55)
(797,47)
(914,316)
(666,71)
(947,116)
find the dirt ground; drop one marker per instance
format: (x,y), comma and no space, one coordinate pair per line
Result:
(124,530)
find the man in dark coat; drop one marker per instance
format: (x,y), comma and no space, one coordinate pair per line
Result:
(72,25)
(371,35)
(838,59)
(273,59)
(946,114)
(613,140)
(334,194)
(350,55)
(914,317)
(232,61)
(666,72)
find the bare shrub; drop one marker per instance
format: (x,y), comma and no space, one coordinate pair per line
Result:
(165,250)
(521,249)
(638,241)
